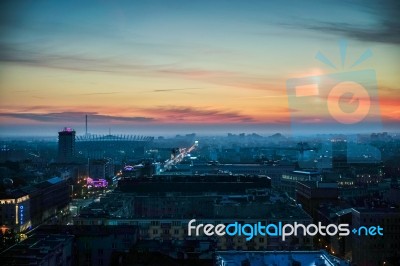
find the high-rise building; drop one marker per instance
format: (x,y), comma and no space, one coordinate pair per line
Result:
(66,145)
(339,153)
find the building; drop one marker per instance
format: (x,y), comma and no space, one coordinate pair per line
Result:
(164,217)
(101,169)
(339,154)
(311,194)
(288,181)
(394,192)
(376,249)
(15,210)
(94,245)
(274,171)
(53,249)
(342,246)
(146,168)
(71,245)
(292,258)
(30,206)
(194,184)
(116,147)
(365,190)
(66,145)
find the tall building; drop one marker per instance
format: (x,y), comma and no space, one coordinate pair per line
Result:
(375,249)
(339,153)
(66,145)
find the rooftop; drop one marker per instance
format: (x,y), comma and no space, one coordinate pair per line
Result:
(34,249)
(263,258)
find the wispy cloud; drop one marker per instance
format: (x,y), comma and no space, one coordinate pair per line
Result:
(75,116)
(183,89)
(386,28)
(387,32)
(198,114)
(159,114)
(33,55)
(101,93)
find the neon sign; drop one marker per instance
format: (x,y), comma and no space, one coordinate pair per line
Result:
(128,168)
(21,215)
(96,182)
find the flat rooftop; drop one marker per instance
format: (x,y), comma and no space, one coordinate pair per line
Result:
(262,258)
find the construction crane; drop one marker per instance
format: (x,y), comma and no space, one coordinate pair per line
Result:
(177,158)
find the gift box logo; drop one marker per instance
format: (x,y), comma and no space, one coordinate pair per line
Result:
(344,101)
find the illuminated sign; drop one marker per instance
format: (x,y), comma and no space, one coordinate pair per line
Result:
(21,215)
(96,182)
(128,168)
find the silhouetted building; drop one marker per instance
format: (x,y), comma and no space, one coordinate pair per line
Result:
(189,184)
(71,245)
(56,249)
(376,249)
(101,169)
(310,194)
(341,246)
(339,153)
(66,145)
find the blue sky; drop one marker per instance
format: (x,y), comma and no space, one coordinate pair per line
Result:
(161,65)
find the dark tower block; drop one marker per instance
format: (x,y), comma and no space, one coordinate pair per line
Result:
(66,145)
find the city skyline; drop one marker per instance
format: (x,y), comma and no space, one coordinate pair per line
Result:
(206,67)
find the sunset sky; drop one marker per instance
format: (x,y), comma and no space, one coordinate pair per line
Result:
(158,67)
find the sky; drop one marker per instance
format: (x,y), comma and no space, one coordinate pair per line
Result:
(160,67)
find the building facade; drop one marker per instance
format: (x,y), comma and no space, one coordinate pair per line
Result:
(66,145)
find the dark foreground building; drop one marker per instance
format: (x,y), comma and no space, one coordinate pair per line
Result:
(292,258)
(27,207)
(72,245)
(162,206)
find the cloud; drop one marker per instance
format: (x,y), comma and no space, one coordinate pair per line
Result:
(184,89)
(101,93)
(75,116)
(159,114)
(35,55)
(195,114)
(386,29)
(387,32)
